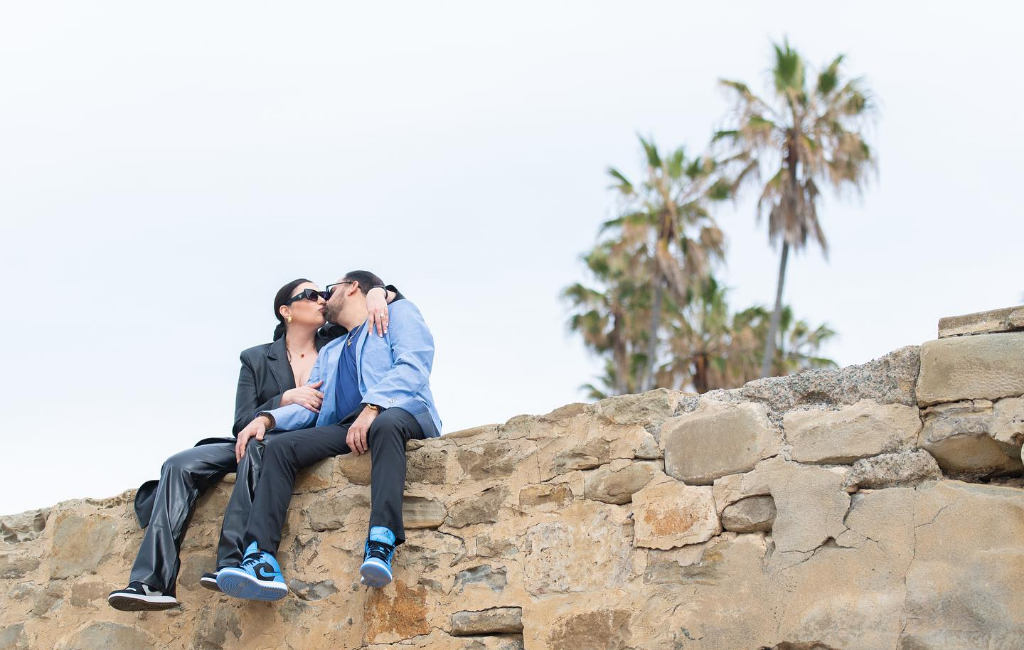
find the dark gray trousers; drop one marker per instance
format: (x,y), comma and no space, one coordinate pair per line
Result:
(184,477)
(287,454)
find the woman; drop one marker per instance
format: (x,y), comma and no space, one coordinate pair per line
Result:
(272,375)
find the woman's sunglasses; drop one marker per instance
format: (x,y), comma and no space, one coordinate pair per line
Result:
(308,294)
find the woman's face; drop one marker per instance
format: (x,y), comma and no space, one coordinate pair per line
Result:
(305,312)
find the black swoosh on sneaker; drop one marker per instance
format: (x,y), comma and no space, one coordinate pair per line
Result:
(261,572)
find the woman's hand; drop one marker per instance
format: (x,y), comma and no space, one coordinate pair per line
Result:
(307,396)
(377,310)
(255,429)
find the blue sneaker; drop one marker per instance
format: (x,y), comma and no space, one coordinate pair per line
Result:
(258,578)
(376,568)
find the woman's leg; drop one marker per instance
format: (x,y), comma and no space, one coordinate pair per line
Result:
(183,478)
(236,516)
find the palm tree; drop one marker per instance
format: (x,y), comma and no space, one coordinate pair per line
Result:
(797,346)
(810,136)
(612,318)
(669,210)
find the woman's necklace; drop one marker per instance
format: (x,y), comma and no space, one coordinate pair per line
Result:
(302,355)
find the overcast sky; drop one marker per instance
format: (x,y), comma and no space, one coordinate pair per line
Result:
(164,168)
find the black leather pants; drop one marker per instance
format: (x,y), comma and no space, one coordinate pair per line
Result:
(184,477)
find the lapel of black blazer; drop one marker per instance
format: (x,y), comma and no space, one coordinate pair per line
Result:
(277,359)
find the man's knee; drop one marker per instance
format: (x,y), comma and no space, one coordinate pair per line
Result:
(278,449)
(392,423)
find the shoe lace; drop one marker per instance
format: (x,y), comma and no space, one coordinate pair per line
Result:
(250,561)
(379,550)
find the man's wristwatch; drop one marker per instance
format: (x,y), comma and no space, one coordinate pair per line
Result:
(373,407)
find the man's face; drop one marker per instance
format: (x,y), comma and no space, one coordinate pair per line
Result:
(336,303)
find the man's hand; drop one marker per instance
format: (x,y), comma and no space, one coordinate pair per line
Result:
(307,396)
(357,432)
(377,310)
(255,429)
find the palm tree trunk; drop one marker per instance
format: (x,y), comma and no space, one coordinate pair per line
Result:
(773,329)
(647,381)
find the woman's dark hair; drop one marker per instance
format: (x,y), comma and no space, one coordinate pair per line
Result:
(283,294)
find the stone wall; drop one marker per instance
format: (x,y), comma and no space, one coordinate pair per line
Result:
(874,507)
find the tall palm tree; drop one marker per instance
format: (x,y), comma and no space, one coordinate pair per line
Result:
(669,210)
(811,135)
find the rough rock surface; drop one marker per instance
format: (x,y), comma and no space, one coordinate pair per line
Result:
(987,366)
(570,531)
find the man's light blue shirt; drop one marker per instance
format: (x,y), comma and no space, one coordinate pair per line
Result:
(393,372)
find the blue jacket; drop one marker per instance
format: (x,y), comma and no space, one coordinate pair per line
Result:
(393,371)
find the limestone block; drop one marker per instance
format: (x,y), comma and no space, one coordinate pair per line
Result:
(23,527)
(670,514)
(79,543)
(490,459)
(650,408)
(312,590)
(494,577)
(422,510)
(428,463)
(553,551)
(552,495)
(332,512)
(13,637)
(852,432)
(717,439)
(889,470)
(975,438)
(496,620)
(16,565)
(478,509)
(987,366)
(607,629)
(985,322)
(750,515)
(109,636)
(964,585)
(355,469)
(888,380)
(395,613)
(617,481)
(811,505)
(317,477)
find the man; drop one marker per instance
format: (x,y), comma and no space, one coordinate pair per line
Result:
(376,398)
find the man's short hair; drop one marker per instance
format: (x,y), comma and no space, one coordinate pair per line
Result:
(364,279)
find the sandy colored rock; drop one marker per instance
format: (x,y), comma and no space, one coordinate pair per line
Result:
(987,366)
(422,510)
(889,470)
(975,438)
(984,322)
(355,469)
(395,613)
(23,527)
(750,515)
(964,590)
(79,543)
(498,620)
(619,480)
(554,495)
(670,514)
(864,429)
(717,439)
(478,509)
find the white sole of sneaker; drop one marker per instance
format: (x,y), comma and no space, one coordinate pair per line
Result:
(238,583)
(374,574)
(209,583)
(131,603)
